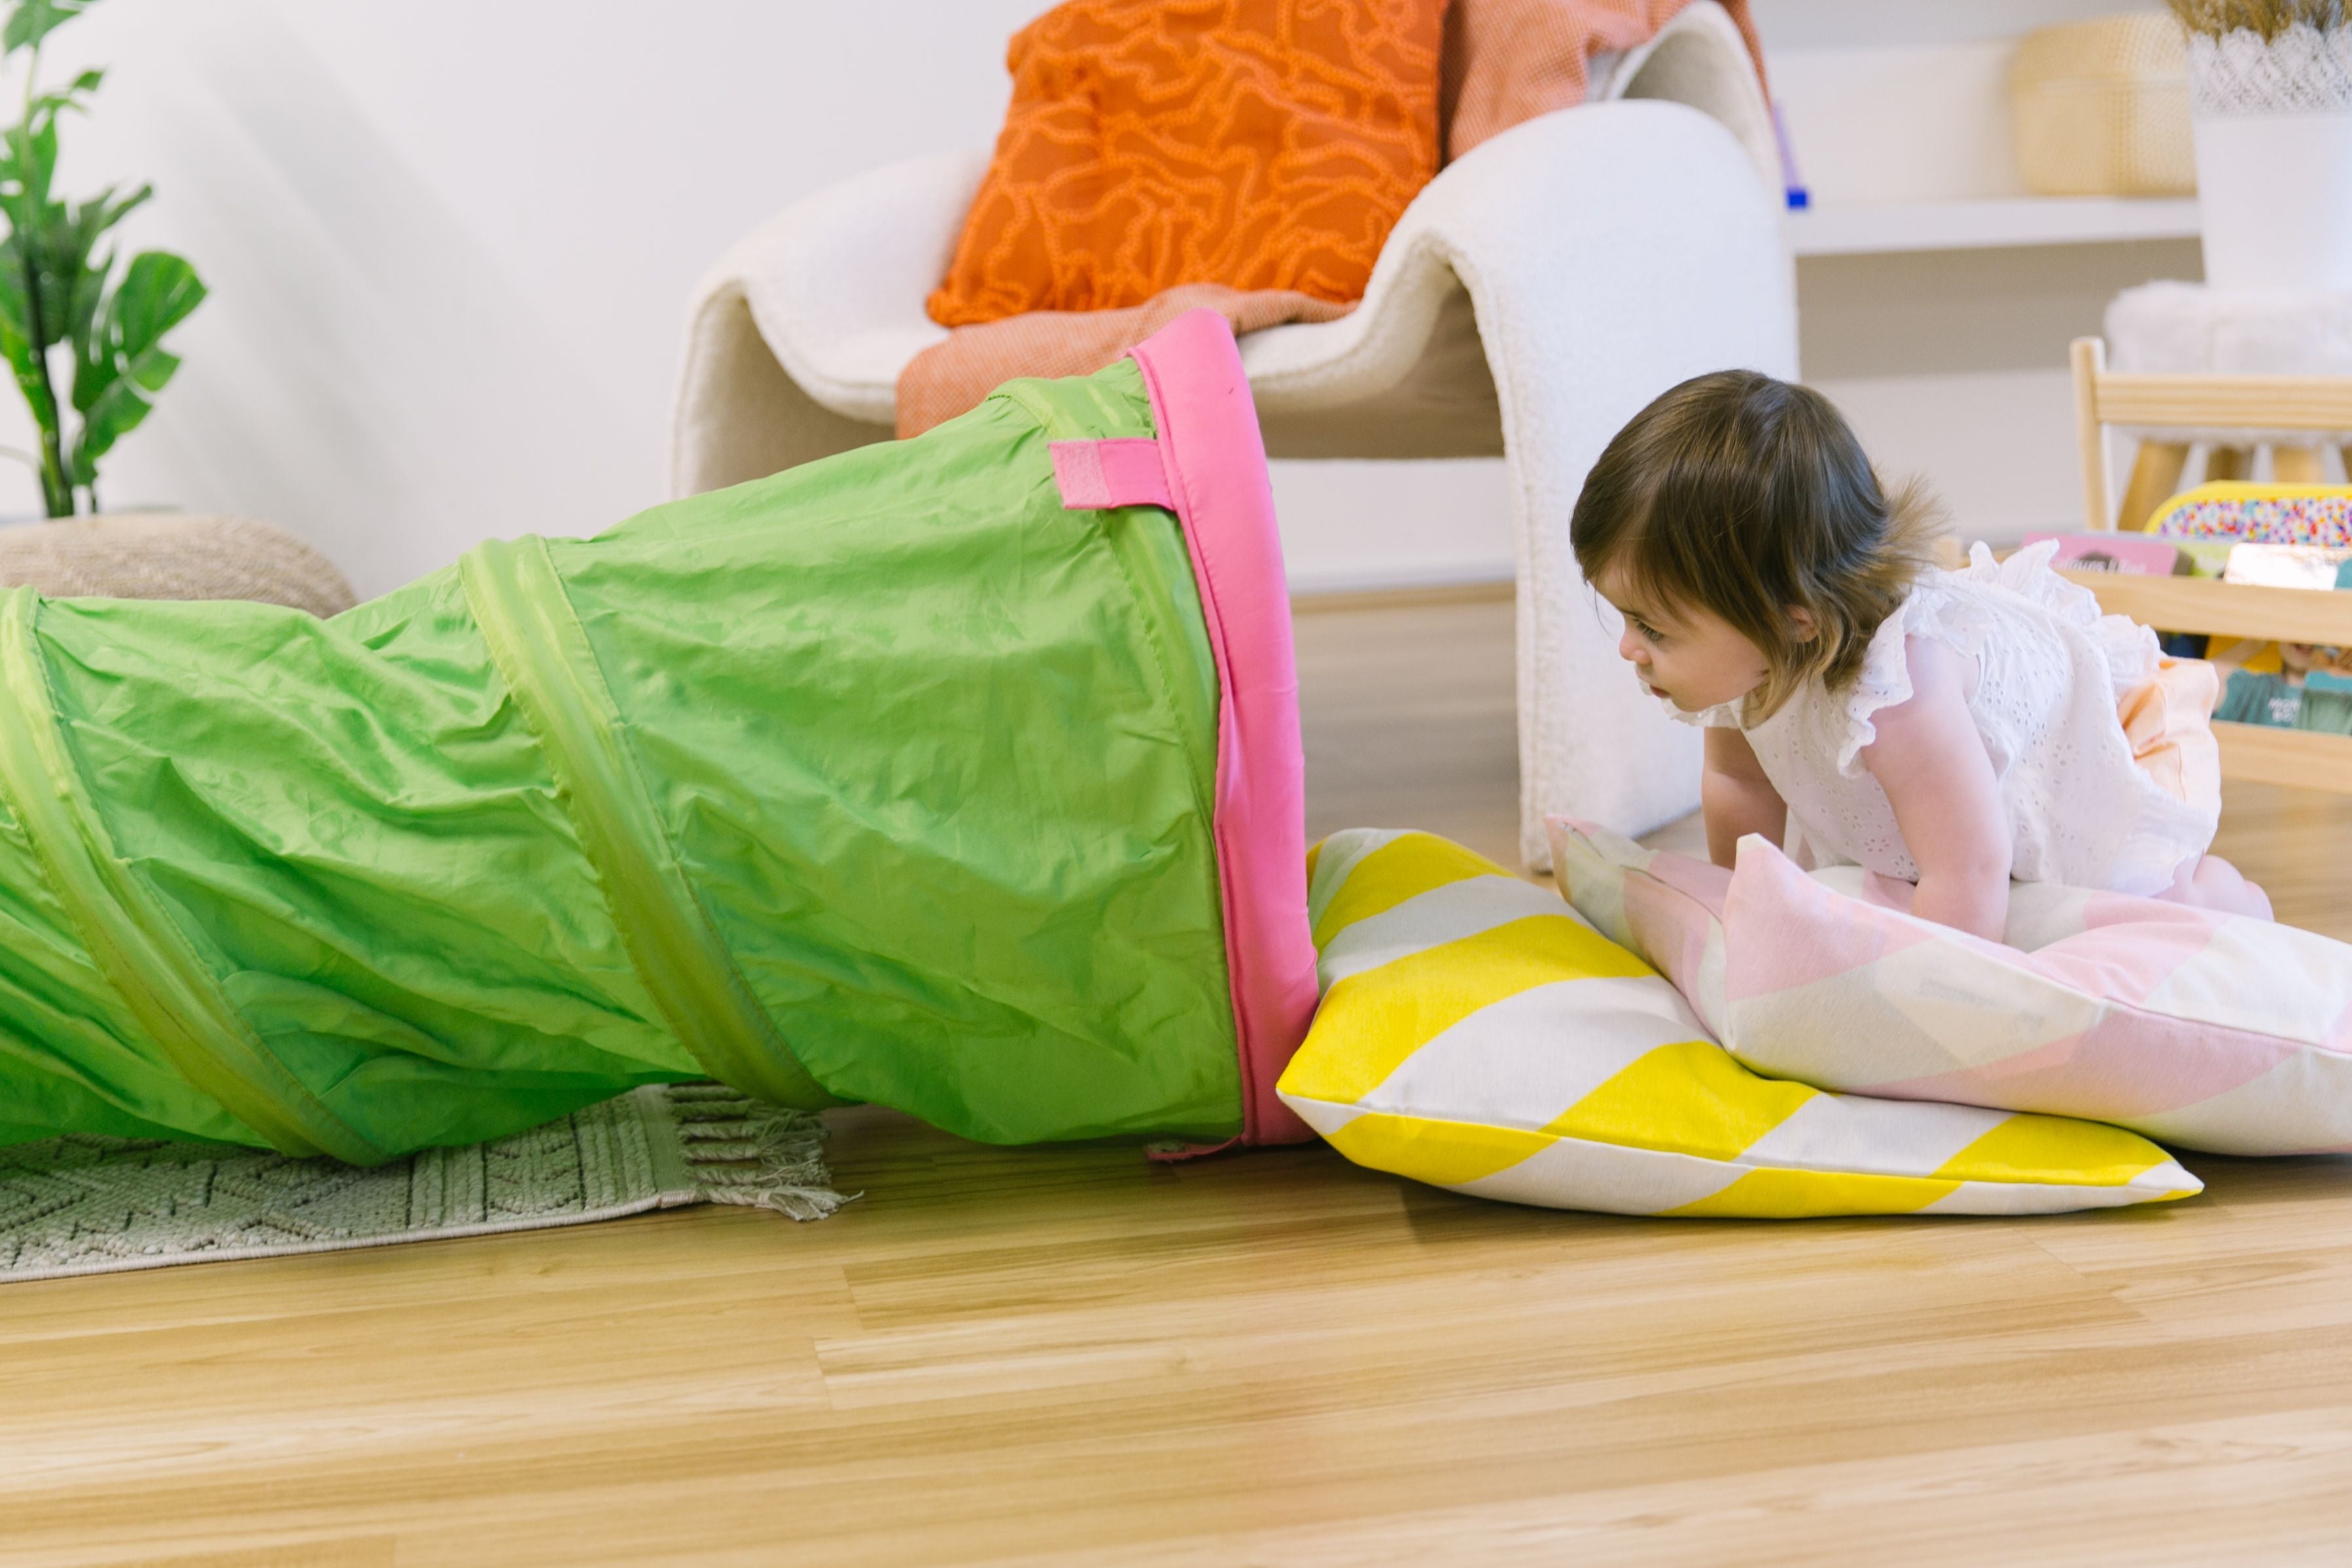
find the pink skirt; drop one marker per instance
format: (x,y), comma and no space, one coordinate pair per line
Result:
(2169,723)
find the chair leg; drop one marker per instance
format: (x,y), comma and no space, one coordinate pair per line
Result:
(2154,476)
(2230,463)
(2295,465)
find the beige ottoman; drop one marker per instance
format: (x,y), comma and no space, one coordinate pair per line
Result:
(171,555)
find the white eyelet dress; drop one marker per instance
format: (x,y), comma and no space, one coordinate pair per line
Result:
(2054,684)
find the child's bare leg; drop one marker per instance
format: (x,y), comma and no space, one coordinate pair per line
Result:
(2214,884)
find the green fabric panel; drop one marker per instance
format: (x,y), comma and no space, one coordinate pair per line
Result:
(72,1055)
(941,753)
(934,757)
(167,986)
(526,618)
(353,823)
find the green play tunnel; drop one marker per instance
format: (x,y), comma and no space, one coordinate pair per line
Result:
(958,775)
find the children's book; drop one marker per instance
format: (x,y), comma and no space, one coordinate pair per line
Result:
(2289,566)
(2135,553)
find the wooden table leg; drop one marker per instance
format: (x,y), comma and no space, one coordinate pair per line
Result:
(2154,476)
(2230,463)
(2296,464)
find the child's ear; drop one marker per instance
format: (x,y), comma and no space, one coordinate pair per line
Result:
(1801,622)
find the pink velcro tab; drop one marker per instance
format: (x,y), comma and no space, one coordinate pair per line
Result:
(1122,472)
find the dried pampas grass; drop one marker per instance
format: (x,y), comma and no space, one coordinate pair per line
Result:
(2214,19)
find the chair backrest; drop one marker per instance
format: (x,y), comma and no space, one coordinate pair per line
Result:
(1699,59)
(2322,405)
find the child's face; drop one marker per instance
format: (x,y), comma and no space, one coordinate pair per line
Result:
(1689,656)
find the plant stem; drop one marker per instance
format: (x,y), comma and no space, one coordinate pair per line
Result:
(56,493)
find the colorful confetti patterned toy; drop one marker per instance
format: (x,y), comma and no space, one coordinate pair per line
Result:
(2258,514)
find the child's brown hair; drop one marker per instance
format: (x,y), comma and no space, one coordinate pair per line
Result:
(1750,498)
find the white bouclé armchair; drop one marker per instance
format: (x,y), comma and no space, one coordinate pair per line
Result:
(1533,297)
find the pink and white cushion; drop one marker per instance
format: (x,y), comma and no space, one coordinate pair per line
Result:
(2207,1031)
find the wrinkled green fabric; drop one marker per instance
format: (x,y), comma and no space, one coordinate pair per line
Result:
(885,778)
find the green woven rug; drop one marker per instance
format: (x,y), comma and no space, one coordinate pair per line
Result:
(97,1206)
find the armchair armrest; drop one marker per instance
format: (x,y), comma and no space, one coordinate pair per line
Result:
(836,281)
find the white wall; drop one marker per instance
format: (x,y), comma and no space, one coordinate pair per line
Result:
(451,242)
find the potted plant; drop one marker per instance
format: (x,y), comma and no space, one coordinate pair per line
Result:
(2271,93)
(80,339)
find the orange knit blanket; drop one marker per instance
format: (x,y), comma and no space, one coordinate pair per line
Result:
(1246,155)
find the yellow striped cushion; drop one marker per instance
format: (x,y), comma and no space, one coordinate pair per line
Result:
(1476,1034)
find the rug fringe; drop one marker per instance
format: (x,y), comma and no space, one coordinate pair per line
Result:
(743,1151)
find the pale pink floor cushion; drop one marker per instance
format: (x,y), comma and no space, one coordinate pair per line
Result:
(2209,1031)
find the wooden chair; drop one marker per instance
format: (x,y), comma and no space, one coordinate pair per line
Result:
(2321,404)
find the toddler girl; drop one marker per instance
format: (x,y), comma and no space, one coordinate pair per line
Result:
(1950,729)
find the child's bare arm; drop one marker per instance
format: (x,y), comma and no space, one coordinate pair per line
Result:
(1735,797)
(1932,763)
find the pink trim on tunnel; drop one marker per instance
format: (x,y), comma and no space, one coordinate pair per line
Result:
(1214,464)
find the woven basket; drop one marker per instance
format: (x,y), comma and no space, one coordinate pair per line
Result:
(2100,108)
(166,555)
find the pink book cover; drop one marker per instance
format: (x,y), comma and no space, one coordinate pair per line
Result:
(2135,553)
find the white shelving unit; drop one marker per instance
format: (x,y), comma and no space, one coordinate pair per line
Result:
(1937,294)
(1985,223)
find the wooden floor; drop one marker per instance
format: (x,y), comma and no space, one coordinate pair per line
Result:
(1068,1357)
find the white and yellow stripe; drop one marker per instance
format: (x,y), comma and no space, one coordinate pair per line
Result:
(1475,1033)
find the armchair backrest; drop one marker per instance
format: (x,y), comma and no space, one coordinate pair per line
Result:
(1699,59)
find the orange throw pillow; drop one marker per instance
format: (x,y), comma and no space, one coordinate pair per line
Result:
(1255,143)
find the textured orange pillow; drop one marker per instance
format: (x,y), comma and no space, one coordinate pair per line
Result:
(1256,143)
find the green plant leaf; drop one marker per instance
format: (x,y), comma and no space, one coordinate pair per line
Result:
(17,347)
(16,339)
(74,273)
(128,364)
(34,308)
(26,168)
(47,106)
(12,288)
(33,20)
(54,274)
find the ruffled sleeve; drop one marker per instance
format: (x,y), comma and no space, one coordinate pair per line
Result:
(1937,608)
(1883,682)
(2131,649)
(2027,574)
